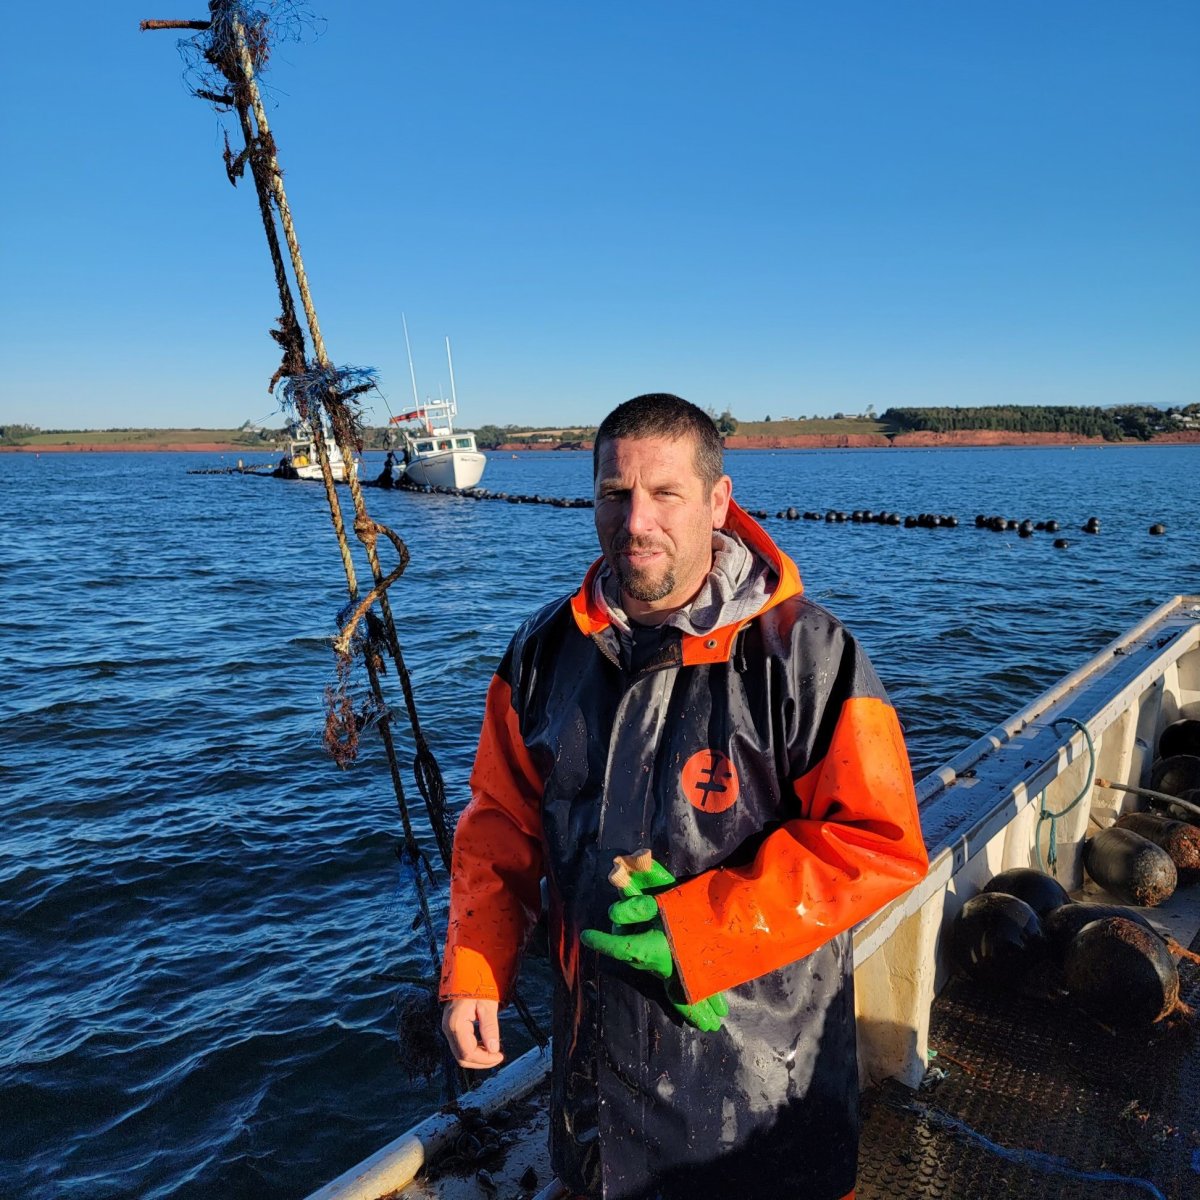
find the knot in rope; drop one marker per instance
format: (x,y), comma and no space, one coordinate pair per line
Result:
(1053,817)
(366,530)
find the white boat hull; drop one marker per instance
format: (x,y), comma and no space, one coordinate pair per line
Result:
(313,471)
(450,468)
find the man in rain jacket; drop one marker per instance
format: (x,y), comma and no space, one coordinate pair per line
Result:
(691,718)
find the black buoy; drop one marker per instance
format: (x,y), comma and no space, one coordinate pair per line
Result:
(1130,867)
(1051,526)
(1177,775)
(1179,839)
(1121,974)
(1061,543)
(1091,525)
(1041,892)
(1157,530)
(997,939)
(1180,737)
(1061,925)
(1025,529)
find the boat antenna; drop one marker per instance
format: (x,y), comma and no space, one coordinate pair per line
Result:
(411,371)
(453,393)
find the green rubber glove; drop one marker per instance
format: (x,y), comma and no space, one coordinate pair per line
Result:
(648,949)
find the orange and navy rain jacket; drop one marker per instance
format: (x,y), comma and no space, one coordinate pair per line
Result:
(764,767)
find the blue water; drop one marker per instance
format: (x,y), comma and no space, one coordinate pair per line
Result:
(195,900)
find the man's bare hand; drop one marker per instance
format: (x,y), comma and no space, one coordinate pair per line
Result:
(473,1048)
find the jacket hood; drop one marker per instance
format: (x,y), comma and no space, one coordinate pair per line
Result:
(715,645)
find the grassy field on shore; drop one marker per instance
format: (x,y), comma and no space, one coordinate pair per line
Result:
(242,440)
(147,437)
(817,426)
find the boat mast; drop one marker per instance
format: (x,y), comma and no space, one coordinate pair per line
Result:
(411,370)
(453,393)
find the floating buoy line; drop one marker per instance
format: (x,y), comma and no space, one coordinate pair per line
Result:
(1024,528)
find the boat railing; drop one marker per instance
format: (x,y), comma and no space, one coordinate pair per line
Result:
(984,812)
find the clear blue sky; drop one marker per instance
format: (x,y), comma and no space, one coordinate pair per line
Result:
(782,208)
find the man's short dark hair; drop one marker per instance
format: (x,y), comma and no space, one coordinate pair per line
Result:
(659,414)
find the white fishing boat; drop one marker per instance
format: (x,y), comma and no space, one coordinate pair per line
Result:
(434,454)
(1032,789)
(301,460)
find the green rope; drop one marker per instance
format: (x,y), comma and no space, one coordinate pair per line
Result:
(1046,815)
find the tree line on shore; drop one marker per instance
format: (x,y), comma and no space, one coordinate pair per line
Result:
(1114,424)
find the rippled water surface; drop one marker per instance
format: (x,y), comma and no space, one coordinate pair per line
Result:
(195,901)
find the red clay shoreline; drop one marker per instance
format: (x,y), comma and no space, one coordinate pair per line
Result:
(815,441)
(136,448)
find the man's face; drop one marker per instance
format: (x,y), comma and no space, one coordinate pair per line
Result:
(655,518)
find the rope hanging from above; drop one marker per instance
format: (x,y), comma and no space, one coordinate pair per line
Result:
(227,54)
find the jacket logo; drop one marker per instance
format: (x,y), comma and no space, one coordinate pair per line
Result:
(709,781)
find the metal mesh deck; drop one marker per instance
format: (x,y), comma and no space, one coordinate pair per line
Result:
(1039,1081)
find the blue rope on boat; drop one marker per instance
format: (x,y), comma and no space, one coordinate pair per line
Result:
(1052,817)
(1037,1159)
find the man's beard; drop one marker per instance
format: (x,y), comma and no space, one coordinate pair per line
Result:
(636,585)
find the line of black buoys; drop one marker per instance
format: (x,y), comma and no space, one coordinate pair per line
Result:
(510,497)
(865,516)
(1025,528)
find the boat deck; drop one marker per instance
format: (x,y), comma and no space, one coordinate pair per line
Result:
(1028,1099)
(1024,1098)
